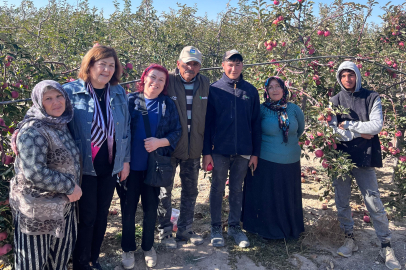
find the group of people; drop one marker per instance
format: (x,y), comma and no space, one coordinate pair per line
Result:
(82,140)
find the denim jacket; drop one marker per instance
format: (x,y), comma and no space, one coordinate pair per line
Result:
(80,126)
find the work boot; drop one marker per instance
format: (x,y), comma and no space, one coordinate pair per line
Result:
(167,240)
(216,236)
(388,254)
(347,248)
(150,257)
(191,236)
(239,237)
(127,259)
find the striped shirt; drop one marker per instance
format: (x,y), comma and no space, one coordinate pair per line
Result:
(189,99)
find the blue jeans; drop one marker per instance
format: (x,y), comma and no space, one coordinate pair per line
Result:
(238,169)
(368,185)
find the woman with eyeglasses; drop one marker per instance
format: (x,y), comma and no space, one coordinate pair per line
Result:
(272,206)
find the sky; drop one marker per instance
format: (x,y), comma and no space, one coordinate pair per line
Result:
(209,7)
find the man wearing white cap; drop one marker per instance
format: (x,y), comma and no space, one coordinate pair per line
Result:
(189,90)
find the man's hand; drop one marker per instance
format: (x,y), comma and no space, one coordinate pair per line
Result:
(207,159)
(253,161)
(367,136)
(125,172)
(341,125)
(75,196)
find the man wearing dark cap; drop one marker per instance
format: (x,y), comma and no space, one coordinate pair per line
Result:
(189,90)
(232,143)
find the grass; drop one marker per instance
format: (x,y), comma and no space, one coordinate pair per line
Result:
(138,234)
(272,254)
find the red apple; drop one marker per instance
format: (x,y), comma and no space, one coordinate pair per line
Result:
(314,172)
(302,174)
(367,219)
(326,33)
(3,236)
(328,118)
(9,160)
(209,167)
(320,133)
(5,249)
(14,94)
(276,2)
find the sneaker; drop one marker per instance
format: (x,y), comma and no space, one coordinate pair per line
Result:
(168,241)
(239,237)
(216,236)
(388,254)
(150,257)
(347,248)
(191,236)
(127,260)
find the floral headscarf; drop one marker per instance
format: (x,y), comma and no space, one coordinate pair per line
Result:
(37,111)
(279,106)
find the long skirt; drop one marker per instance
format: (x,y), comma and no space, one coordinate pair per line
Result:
(45,251)
(272,206)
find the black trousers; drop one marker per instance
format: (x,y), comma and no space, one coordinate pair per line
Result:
(93,211)
(129,200)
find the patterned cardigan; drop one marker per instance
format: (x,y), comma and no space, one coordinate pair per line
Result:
(47,168)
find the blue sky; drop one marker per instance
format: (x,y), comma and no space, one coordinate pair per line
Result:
(209,7)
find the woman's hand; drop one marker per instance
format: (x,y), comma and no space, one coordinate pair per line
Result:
(151,144)
(125,172)
(75,196)
(13,142)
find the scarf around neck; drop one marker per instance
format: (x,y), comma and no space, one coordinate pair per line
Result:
(279,106)
(37,111)
(101,131)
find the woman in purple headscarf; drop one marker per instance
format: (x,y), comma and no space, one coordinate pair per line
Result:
(46,182)
(272,205)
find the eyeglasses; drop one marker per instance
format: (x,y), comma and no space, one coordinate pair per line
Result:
(275,88)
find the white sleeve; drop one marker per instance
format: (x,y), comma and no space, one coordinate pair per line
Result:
(371,127)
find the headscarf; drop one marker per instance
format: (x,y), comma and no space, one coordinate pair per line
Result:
(279,106)
(37,111)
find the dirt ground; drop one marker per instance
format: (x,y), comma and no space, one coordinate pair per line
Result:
(315,250)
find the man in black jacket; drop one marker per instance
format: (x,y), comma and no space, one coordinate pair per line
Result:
(232,141)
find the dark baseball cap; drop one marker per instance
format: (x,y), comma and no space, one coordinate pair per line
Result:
(228,54)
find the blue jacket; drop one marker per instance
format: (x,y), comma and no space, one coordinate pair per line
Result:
(81,124)
(169,126)
(233,123)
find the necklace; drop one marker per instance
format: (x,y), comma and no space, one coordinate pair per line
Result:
(100,95)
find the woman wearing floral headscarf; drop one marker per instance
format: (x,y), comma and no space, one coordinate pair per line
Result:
(272,205)
(46,182)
